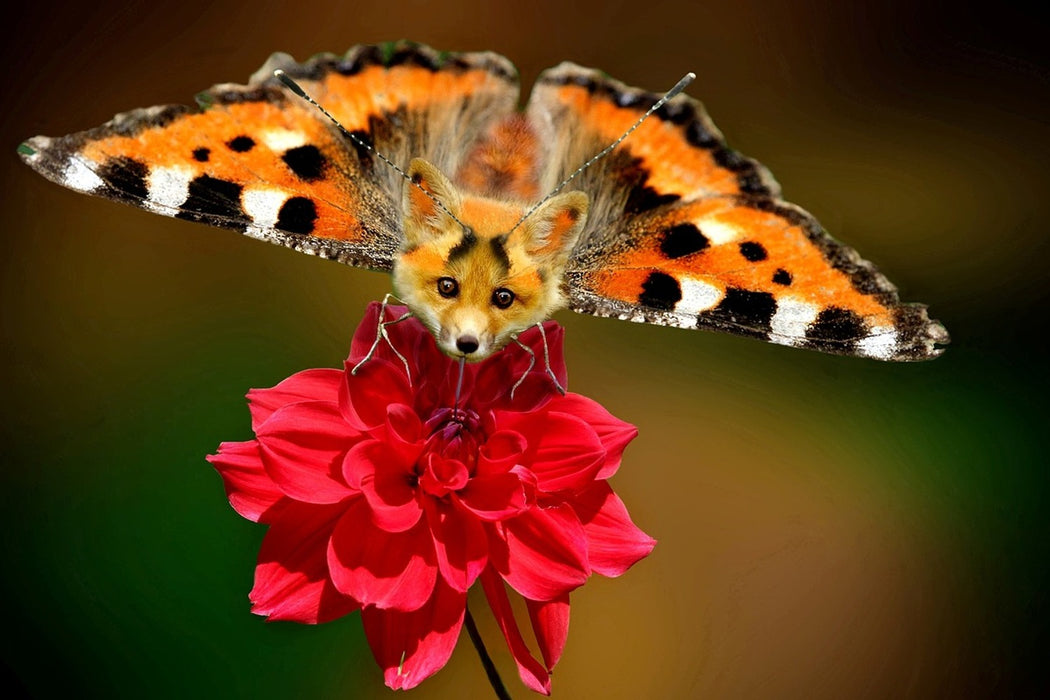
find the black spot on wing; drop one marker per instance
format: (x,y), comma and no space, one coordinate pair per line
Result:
(742,311)
(683,239)
(201,155)
(241,144)
(752,251)
(127,175)
(209,196)
(782,277)
(364,154)
(643,198)
(306,162)
(836,324)
(660,291)
(297,215)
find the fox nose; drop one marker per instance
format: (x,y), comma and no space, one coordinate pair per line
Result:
(467,344)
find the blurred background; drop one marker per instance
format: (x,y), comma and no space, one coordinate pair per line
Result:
(828,527)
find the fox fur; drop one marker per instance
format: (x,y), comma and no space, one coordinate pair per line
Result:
(461,255)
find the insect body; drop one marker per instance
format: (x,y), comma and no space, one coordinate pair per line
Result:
(672,227)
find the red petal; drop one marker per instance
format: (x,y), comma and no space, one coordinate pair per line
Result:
(403,336)
(550,624)
(502,450)
(386,569)
(374,468)
(412,646)
(302,447)
(613,433)
(250,489)
(309,385)
(291,578)
(494,497)
(532,672)
(459,542)
(614,543)
(509,368)
(546,554)
(564,452)
(364,397)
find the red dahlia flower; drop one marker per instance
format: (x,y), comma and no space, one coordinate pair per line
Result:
(385,494)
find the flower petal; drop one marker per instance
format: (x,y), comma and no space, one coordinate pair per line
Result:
(614,543)
(364,397)
(412,646)
(613,433)
(386,569)
(375,469)
(309,385)
(501,451)
(250,489)
(302,447)
(523,373)
(550,624)
(459,542)
(291,578)
(546,553)
(495,496)
(564,452)
(402,336)
(532,672)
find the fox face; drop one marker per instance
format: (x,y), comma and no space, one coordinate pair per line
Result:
(469,274)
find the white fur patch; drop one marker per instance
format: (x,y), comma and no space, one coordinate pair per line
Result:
(793,317)
(167,188)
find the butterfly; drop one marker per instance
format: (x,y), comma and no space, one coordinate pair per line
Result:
(676,228)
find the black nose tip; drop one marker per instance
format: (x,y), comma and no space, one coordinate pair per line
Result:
(467,344)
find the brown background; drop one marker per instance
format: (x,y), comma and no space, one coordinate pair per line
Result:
(828,527)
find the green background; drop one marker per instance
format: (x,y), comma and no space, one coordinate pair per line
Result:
(828,527)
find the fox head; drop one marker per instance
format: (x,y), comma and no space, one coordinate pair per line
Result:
(468,274)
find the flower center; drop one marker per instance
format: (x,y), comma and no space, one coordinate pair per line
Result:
(450,455)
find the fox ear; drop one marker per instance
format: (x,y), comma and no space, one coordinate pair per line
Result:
(424,217)
(550,233)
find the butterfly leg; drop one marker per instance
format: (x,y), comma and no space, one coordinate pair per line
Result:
(381,335)
(547,361)
(532,363)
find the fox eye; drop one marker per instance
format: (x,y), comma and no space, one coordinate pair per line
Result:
(502,298)
(448,287)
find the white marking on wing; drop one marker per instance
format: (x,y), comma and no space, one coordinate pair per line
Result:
(793,317)
(718,232)
(78,175)
(281,140)
(168,188)
(697,296)
(880,343)
(263,205)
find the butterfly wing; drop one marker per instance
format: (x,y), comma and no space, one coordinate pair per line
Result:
(260,160)
(686,232)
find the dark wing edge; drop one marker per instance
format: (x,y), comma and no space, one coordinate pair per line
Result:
(58,160)
(915,336)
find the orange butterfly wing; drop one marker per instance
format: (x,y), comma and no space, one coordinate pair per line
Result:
(686,232)
(258,159)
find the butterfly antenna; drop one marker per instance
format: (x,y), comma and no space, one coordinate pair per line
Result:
(298,90)
(679,86)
